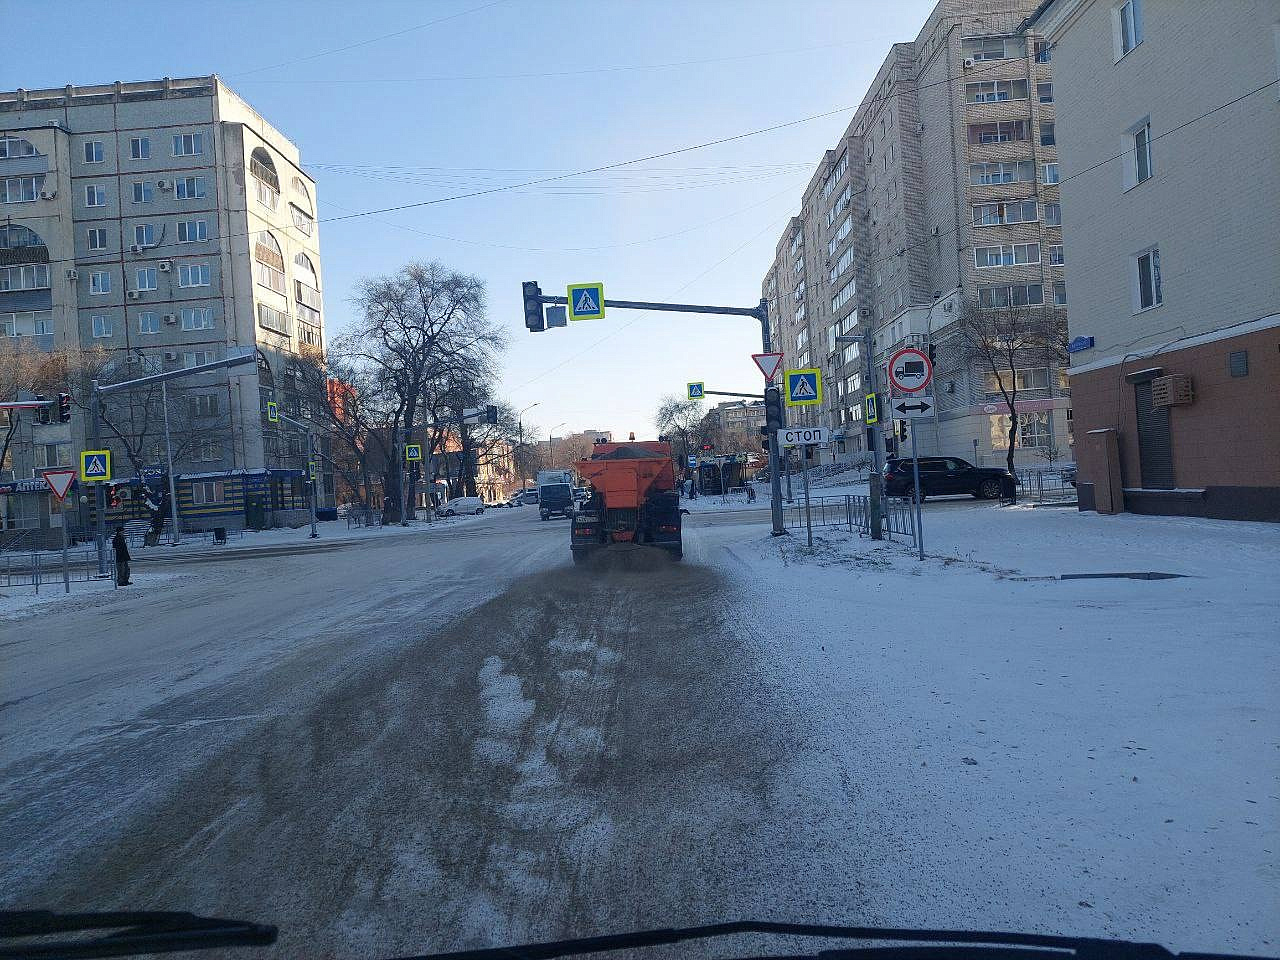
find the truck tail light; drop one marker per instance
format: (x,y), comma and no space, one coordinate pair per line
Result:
(668,528)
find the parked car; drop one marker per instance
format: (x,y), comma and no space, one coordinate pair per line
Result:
(945,476)
(1069,474)
(529,496)
(461,505)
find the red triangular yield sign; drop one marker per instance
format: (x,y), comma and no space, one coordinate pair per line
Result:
(768,363)
(59,481)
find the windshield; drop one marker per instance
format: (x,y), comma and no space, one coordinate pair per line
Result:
(477,473)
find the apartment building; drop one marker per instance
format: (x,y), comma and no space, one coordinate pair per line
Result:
(943,189)
(162,224)
(1171,209)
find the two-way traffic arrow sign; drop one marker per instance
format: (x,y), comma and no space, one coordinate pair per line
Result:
(913,408)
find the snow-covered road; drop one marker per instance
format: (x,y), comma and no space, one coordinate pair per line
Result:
(432,741)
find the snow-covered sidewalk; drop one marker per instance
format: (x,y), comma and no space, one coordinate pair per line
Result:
(1092,757)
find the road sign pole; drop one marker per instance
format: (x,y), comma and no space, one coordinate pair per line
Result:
(168,456)
(915,492)
(808,517)
(99,494)
(311,473)
(66,570)
(875,439)
(775,481)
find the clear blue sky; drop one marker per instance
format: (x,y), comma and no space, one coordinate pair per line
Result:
(374,144)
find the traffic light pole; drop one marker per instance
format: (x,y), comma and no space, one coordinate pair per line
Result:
(311,464)
(534,301)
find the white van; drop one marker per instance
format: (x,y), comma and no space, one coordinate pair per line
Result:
(460,505)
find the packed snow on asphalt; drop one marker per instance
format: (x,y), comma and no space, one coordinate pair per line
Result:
(449,738)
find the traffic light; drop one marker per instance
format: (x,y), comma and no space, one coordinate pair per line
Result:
(64,408)
(533,318)
(491,414)
(113,496)
(773,409)
(902,431)
(933,353)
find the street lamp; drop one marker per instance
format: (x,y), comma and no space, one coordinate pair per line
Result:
(520,448)
(551,451)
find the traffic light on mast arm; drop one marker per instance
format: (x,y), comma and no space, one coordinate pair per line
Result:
(772,409)
(533,317)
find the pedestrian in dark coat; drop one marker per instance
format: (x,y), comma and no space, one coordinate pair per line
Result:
(121,548)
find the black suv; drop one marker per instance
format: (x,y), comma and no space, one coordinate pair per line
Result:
(941,476)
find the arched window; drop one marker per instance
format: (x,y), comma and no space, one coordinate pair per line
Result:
(304,215)
(11,147)
(16,236)
(265,179)
(306,289)
(268,265)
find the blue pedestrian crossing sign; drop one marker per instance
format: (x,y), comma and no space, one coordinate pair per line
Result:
(95,465)
(693,461)
(586,301)
(804,387)
(696,390)
(413,452)
(872,404)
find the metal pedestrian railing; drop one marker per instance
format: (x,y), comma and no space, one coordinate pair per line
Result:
(1041,486)
(43,568)
(854,512)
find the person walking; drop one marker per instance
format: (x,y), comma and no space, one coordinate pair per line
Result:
(121,548)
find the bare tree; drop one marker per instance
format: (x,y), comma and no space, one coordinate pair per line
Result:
(24,368)
(1001,342)
(685,422)
(419,328)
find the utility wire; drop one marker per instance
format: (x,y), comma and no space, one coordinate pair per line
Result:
(364,43)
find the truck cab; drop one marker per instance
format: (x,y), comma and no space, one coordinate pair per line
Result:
(555,500)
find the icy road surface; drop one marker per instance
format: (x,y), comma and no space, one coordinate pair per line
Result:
(430,742)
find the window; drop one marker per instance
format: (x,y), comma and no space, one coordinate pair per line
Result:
(148,322)
(1055,255)
(193,275)
(1019,171)
(1128,23)
(843,264)
(266,183)
(101,325)
(1053,214)
(850,353)
(52,455)
(188,144)
(1013,211)
(845,227)
(1006,255)
(1010,295)
(99,282)
(273,319)
(143,191)
(196,318)
(95,195)
(93,151)
(1142,153)
(146,278)
(1004,131)
(844,296)
(205,405)
(301,210)
(15,235)
(1048,173)
(841,202)
(18,189)
(1238,363)
(1147,266)
(140,148)
(144,235)
(188,188)
(206,491)
(1044,92)
(194,358)
(1034,378)
(1059,293)
(97,238)
(190,231)
(1044,51)
(994,91)
(32,276)
(309,335)
(1047,137)
(268,266)
(11,147)
(800,311)
(8,324)
(994,48)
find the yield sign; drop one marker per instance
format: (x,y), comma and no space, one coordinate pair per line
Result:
(59,481)
(768,364)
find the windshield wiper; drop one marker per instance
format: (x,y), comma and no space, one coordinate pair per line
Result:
(960,944)
(133,933)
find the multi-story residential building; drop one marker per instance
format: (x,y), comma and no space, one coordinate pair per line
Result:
(162,224)
(737,422)
(1171,195)
(942,190)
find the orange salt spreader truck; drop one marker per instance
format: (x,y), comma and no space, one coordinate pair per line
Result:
(633,499)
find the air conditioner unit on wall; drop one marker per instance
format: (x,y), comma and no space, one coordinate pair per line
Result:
(164,266)
(970,63)
(48,194)
(170,355)
(164,184)
(73,274)
(170,318)
(1173,390)
(133,294)
(136,248)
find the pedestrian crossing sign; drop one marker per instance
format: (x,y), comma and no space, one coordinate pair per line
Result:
(696,390)
(586,301)
(412,452)
(95,465)
(273,411)
(804,387)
